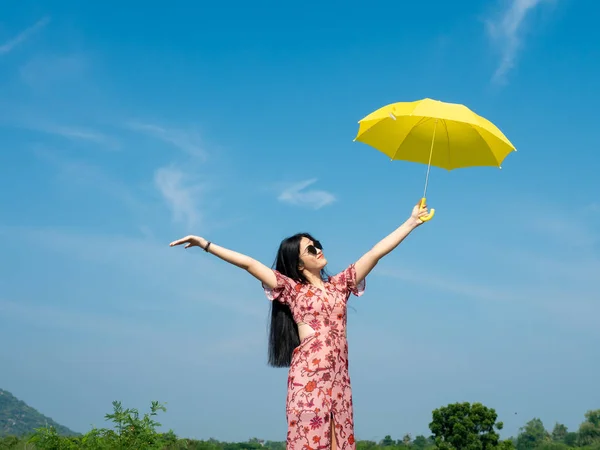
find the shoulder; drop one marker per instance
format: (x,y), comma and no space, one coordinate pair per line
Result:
(283,278)
(346,281)
(344,276)
(285,289)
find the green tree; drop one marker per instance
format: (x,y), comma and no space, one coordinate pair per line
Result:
(387,441)
(532,435)
(559,432)
(365,445)
(47,438)
(549,445)
(462,426)
(420,442)
(571,439)
(506,445)
(589,431)
(272,445)
(9,442)
(249,445)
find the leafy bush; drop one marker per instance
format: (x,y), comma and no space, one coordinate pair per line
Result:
(130,432)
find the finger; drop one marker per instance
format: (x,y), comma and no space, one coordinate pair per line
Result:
(188,246)
(180,241)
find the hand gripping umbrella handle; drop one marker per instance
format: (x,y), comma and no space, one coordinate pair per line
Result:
(431,211)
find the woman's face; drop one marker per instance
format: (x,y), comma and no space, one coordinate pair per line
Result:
(311,255)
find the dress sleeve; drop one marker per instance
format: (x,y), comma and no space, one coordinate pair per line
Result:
(284,290)
(347,280)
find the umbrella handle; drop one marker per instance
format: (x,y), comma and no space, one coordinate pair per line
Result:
(431,211)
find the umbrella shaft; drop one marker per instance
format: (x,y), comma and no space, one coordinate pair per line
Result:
(429,164)
(426,182)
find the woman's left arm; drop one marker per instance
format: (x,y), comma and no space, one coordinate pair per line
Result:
(370,259)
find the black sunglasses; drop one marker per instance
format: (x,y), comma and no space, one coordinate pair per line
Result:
(312,249)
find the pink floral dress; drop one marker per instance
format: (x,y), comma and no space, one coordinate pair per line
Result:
(318,381)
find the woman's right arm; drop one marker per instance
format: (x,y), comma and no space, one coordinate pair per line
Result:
(252,266)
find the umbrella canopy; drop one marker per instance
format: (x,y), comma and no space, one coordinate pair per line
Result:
(406,131)
(436,133)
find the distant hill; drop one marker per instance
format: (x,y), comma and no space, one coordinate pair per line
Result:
(18,419)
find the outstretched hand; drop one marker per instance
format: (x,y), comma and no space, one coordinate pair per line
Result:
(418,212)
(190,241)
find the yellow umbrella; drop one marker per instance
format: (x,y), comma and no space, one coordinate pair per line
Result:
(409,131)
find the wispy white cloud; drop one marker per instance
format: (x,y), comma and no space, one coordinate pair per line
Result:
(78,172)
(76,134)
(11,44)
(576,270)
(80,322)
(188,141)
(558,227)
(569,298)
(463,287)
(551,267)
(548,262)
(63,318)
(298,195)
(567,229)
(48,70)
(506,31)
(181,194)
(165,269)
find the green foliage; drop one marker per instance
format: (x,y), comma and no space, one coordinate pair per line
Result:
(589,431)
(420,443)
(9,442)
(459,426)
(532,435)
(130,432)
(571,439)
(552,446)
(387,441)
(559,432)
(462,426)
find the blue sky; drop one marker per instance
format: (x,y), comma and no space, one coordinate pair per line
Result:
(126,126)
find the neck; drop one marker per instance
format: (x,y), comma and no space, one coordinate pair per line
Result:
(313,278)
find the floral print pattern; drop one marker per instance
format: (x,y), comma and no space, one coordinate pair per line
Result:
(318,381)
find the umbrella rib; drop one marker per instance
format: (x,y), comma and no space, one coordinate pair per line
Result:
(476,128)
(448,146)
(422,119)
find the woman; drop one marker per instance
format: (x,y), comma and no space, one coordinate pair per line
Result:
(308,330)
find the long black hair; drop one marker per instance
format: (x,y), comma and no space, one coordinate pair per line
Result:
(283,333)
